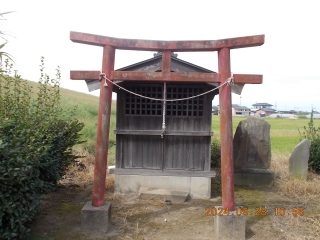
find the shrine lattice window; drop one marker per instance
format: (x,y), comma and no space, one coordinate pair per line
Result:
(191,107)
(136,105)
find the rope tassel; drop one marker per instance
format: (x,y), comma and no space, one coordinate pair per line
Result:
(103,75)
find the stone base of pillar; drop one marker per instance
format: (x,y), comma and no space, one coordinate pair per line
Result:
(96,218)
(229,227)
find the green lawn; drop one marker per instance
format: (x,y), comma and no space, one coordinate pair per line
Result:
(284,132)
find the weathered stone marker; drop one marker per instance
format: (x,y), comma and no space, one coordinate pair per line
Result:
(252,152)
(298,161)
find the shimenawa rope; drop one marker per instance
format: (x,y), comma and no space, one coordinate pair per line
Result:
(164,100)
(229,82)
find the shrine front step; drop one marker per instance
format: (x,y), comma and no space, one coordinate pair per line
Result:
(175,196)
(196,187)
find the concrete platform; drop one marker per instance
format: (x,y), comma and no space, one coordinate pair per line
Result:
(96,218)
(163,194)
(253,176)
(230,227)
(197,187)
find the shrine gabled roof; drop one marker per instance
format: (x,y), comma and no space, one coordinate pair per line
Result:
(154,65)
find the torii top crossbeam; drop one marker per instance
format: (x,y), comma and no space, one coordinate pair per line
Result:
(173,46)
(223,47)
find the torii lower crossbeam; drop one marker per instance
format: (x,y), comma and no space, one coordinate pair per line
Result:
(223,47)
(171,77)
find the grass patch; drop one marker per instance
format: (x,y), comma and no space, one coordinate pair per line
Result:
(87,112)
(284,135)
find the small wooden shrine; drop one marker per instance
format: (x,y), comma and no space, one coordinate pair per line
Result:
(164,142)
(171,143)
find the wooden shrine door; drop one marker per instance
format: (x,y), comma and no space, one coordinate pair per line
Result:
(185,145)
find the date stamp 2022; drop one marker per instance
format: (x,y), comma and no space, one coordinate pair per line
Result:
(258,211)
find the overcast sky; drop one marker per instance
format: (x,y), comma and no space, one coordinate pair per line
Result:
(289,59)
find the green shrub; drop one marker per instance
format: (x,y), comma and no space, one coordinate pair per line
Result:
(36,137)
(215,153)
(312,133)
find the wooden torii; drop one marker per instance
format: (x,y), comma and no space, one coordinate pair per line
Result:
(223,47)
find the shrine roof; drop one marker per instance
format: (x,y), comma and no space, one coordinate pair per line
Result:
(154,65)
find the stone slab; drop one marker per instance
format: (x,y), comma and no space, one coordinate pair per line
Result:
(230,227)
(197,187)
(258,177)
(251,144)
(175,196)
(96,218)
(298,161)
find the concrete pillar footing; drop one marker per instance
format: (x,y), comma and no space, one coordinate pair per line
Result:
(230,227)
(96,218)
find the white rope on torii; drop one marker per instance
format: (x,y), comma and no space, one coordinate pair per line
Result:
(229,82)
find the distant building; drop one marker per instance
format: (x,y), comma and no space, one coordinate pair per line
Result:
(288,112)
(261,105)
(314,115)
(285,115)
(215,110)
(240,110)
(265,112)
(236,110)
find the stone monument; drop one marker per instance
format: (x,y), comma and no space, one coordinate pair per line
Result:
(298,161)
(252,153)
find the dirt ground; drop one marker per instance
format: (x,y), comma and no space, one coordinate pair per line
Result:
(133,218)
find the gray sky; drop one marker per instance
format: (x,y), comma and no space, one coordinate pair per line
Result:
(289,59)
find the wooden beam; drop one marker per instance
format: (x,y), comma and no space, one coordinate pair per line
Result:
(248,78)
(176,46)
(84,75)
(160,132)
(156,172)
(159,76)
(194,77)
(166,63)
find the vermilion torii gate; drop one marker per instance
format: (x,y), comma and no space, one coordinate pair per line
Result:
(223,47)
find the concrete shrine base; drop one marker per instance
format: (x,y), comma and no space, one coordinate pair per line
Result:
(229,227)
(197,187)
(96,218)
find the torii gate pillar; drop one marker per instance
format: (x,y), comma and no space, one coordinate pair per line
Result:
(105,101)
(226,132)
